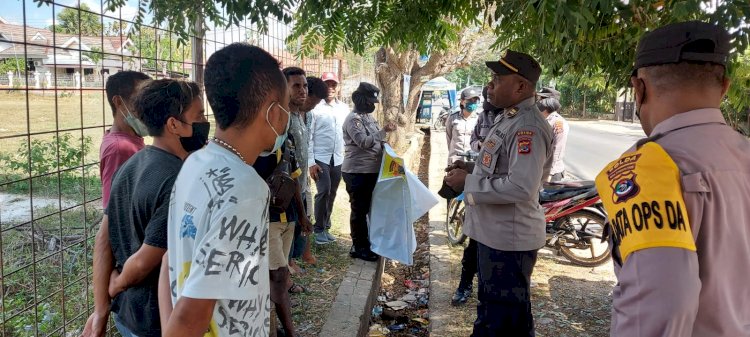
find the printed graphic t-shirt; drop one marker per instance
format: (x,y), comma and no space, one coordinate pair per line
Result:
(218,241)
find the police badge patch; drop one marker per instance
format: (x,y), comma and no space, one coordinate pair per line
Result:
(486,159)
(524,145)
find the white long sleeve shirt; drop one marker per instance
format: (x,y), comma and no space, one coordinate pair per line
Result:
(326,133)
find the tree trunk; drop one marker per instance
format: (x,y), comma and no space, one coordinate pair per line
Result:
(584,105)
(392,65)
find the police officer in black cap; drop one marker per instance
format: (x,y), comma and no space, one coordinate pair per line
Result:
(678,200)
(363,144)
(503,214)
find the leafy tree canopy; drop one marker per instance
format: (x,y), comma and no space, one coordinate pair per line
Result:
(68,22)
(580,36)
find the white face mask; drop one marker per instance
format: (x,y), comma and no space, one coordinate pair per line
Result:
(280,137)
(136,124)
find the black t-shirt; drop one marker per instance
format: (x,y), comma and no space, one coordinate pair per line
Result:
(137,211)
(265,167)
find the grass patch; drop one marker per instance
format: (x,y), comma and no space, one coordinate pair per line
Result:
(322,282)
(46,266)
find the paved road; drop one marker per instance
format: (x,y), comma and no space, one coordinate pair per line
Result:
(593,144)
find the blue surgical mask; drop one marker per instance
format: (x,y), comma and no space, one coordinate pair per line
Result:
(471,107)
(280,137)
(136,124)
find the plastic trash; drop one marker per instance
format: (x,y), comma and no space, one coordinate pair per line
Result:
(397,327)
(377,311)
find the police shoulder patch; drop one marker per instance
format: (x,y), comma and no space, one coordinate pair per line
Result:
(642,194)
(523,139)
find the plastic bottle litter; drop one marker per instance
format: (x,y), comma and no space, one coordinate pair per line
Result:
(397,327)
(377,311)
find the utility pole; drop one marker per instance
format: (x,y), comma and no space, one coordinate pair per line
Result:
(197,41)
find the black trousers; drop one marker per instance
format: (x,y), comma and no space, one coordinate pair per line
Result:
(327,184)
(360,187)
(468,265)
(504,307)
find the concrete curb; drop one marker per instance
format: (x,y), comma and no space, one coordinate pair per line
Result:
(350,312)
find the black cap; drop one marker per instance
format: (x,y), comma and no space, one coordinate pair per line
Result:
(692,41)
(368,91)
(547,92)
(469,93)
(516,63)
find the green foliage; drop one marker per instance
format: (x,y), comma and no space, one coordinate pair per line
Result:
(164,50)
(15,64)
(68,22)
(361,24)
(181,15)
(588,36)
(581,37)
(574,90)
(475,74)
(60,153)
(95,55)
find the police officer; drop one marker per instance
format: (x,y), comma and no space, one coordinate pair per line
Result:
(363,145)
(503,213)
(484,122)
(677,200)
(460,125)
(549,105)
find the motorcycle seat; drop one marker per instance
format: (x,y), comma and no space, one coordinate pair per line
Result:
(562,191)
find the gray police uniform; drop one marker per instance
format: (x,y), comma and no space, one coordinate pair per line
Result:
(503,191)
(484,123)
(458,130)
(363,144)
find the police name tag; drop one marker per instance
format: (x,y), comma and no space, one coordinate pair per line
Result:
(643,196)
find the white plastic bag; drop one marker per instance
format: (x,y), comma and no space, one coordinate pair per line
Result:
(398,201)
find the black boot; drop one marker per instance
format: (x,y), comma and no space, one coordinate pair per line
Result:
(363,254)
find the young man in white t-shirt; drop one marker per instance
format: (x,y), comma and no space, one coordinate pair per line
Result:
(218,214)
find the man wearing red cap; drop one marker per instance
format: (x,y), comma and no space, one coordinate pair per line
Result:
(326,154)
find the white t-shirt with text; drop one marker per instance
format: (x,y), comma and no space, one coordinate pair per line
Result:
(218,241)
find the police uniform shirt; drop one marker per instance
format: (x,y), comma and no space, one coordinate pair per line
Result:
(482,128)
(682,261)
(502,193)
(458,130)
(363,146)
(560,129)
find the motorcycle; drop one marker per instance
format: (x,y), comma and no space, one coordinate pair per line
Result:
(439,123)
(575,222)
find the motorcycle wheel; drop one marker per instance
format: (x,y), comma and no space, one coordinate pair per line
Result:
(439,124)
(454,222)
(589,227)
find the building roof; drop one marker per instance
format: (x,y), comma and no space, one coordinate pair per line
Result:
(43,42)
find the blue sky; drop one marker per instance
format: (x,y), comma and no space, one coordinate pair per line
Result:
(12,10)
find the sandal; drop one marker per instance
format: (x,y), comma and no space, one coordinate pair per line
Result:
(296,289)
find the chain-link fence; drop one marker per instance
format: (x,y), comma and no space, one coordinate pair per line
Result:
(54,61)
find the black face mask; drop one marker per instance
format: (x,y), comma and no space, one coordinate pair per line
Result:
(363,106)
(487,106)
(199,138)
